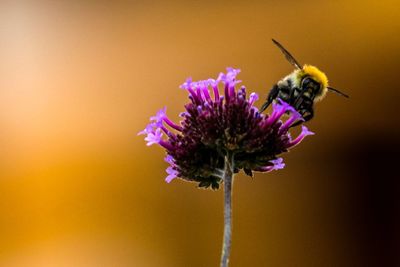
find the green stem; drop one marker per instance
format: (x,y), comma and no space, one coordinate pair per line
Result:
(228,181)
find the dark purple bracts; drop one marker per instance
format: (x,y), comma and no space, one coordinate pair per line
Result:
(215,125)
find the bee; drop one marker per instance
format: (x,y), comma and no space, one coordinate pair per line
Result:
(301,88)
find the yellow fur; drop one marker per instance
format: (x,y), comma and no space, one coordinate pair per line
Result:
(316,74)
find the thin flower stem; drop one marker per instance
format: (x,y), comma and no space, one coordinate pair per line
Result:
(228,181)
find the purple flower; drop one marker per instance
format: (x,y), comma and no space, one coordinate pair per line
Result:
(169,159)
(153,137)
(275,164)
(158,118)
(213,126)
(149,129)
(172,174)
(253,98)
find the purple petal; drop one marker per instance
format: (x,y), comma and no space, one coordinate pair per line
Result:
(149,128)
(278,109)
(212,82)
(187,84)
(221,77)
(230,76)
(293,118)
(154,137)
(232,73)
(161,114)
(169,159)
(298,139)
(253,98)
(278,164)
(172,174)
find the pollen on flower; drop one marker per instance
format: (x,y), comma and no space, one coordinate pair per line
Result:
(213,125)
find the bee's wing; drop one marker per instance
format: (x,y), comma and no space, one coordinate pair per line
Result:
(288,56)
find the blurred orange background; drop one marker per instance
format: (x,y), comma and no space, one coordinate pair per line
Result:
(79,79)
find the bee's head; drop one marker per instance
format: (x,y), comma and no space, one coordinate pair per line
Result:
(315,74)
(312,77)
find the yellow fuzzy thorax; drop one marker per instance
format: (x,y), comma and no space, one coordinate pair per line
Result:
(316,74)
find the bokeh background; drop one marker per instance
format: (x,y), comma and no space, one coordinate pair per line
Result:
(79,79)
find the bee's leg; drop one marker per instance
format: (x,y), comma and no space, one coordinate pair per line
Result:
(298,101)
(271,96)
(265,105)
(292,98)
(309,116)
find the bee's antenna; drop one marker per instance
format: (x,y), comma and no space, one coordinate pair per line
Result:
(337,91)
(288,56)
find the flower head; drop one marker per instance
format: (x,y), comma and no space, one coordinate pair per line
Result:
(211,127)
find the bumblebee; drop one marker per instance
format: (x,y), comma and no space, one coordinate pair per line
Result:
(301,88)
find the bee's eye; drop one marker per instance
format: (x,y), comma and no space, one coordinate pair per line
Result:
(306,81)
